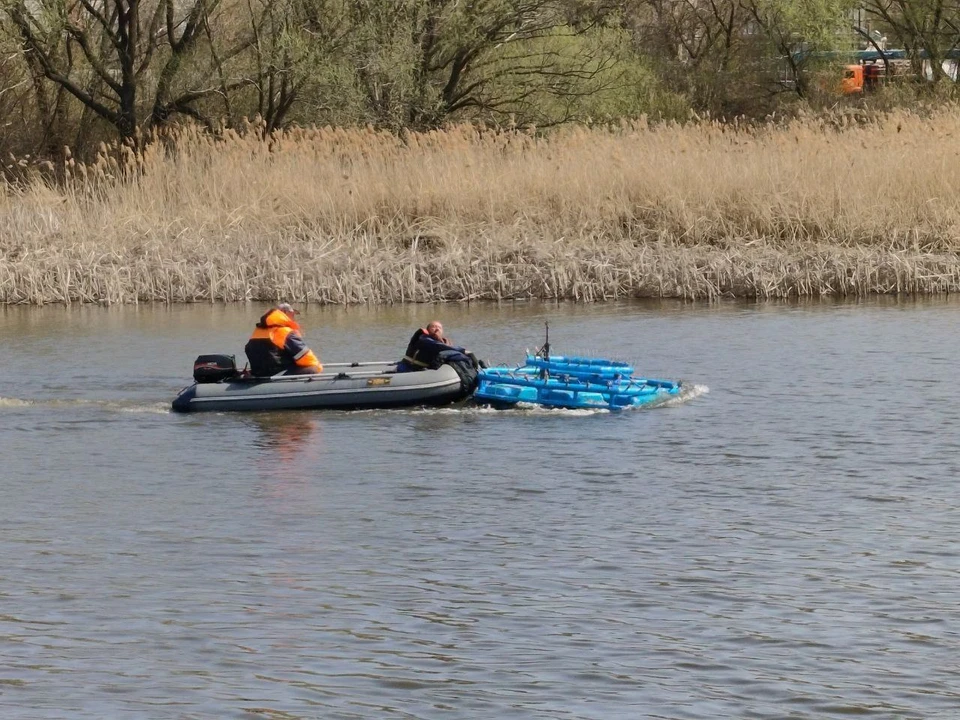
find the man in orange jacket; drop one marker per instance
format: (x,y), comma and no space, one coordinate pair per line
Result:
(277,346)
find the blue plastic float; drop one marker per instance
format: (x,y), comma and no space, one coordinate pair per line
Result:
(570,382)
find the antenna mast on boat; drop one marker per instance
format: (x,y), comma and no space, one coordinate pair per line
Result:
(544,351)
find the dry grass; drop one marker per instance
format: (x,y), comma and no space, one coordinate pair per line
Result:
(352,216)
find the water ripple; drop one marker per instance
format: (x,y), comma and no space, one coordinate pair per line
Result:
(784,548)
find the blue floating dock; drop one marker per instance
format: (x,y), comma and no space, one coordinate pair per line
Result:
(571,382)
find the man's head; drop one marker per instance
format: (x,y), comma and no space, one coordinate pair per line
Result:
(435,329)
(287,308)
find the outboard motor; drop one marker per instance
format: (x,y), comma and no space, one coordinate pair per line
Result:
(214,368)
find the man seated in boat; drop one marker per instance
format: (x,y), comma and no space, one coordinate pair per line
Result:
(429,349)
(277,345)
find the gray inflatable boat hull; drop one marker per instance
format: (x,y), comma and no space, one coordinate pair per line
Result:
(344,386)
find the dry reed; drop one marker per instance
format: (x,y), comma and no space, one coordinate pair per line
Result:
(359,216)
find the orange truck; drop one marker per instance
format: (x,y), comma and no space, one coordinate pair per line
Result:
(852,82)
(858,79)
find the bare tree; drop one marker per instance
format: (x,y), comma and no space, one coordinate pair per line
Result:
(928,29)
(120,58)
(422,62)
(791,25)
(703,48)
(504,53)
(295,44)
(729,56)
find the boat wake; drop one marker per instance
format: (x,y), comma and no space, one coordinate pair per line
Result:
(687,393)
(520,408)
(158,408)
(107,405)
(14,403)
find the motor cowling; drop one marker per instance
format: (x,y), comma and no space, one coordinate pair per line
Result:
(214,368)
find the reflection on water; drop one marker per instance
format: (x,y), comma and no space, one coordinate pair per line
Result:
(289,448)
(782,546)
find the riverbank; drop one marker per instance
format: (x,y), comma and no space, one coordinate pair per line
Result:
(342,216)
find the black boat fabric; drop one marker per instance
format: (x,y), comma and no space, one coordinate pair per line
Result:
(464,366)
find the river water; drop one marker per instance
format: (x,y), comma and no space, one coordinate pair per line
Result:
(782,543)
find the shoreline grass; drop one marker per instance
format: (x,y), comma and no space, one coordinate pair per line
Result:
(342,216)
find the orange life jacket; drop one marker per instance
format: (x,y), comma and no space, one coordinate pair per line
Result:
(276,346)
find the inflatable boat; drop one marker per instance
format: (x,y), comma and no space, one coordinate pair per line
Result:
(571,383)
(341,386)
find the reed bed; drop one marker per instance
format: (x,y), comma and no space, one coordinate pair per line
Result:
(358,216)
